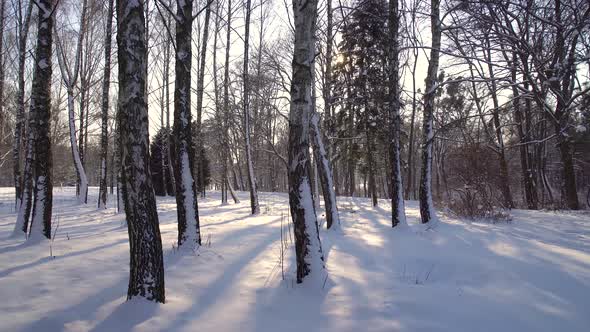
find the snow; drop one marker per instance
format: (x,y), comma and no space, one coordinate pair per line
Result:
(532,274)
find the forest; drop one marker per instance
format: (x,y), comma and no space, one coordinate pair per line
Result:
(404,125)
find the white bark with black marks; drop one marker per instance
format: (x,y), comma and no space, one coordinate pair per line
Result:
(308,248)
(427,212)
(146,276)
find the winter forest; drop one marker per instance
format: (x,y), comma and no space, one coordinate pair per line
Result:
(294,165)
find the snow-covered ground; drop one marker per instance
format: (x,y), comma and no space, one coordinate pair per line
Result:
(532,274)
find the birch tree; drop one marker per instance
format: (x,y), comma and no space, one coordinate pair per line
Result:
(186,190)
(201,83)
(39,123)
(22,180)
(255,207)
(398,215)
(427,212)
(102,194)
(324,168)
(308,248)
(226,85)
(146,276)
(70,77)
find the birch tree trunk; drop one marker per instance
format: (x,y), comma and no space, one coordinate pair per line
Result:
(146,276)
(19,183)
(427,212)
(70,78)
(40,114)
(410,184)
(246,100)
(325,173)
(186,190)
(200,90)
(218,111)
(102,193)
(308,248)
(226,148)
(398,213)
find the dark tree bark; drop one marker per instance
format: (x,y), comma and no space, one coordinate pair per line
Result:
(308,249)
(186,189)
(146,277)
(39,124)
(427,212)
(255,207)
(371,164)
(530,191)
(104,139)
(397,199)
(504,182)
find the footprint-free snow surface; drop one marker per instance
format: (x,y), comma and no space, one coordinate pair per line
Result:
(532,274)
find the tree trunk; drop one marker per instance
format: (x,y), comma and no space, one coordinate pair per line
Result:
(308,249)
(530,192)
(246,100)
(225,125)
(40,114)
(410,185)
(218,107)
(371,164)
(26,197)
(70,78)
(398,214)
(146,277)
(427,212)
(104,138)
(504,181)
(23,29)
(186,190)
(200,89)
(325,172)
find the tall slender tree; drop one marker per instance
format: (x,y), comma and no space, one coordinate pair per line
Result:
(39,123)
(308,248)
(398,214)
(226,84)
(102,193)
(146,276)
(70,78)
(186,189)
(255,207)
(22,180)
(201,87)
(427,212)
